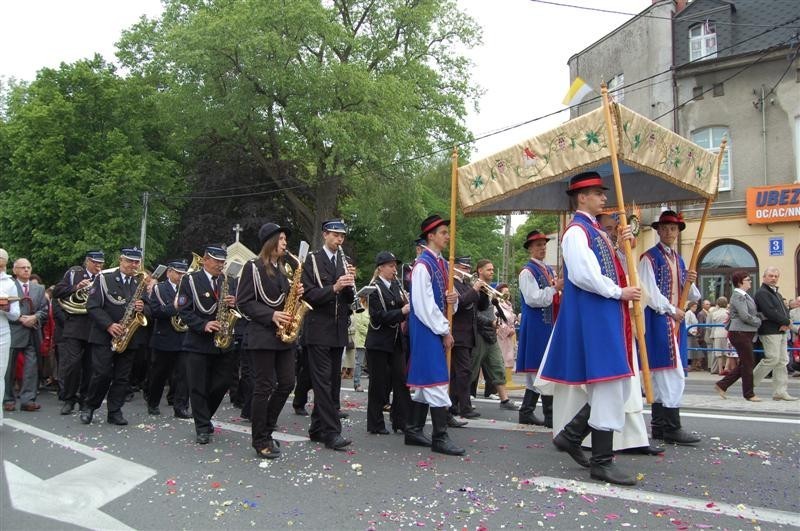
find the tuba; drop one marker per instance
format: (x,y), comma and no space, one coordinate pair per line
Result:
(226,316)
(175,320)
(296,307)
(131,320)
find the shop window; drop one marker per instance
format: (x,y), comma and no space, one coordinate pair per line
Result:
(717,263)
(702,41)
(710,138)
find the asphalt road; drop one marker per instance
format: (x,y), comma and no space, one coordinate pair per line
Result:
(151,475)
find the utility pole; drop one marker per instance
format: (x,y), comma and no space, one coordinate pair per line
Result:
(143,233)
(506,250)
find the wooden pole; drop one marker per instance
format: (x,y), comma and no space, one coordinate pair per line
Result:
(452,257)
(698,241)
(638,315)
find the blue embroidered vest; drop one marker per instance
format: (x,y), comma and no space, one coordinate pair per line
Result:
(536,324)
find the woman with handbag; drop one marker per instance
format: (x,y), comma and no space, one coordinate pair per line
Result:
(742,328)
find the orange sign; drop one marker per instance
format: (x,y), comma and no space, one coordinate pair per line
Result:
(773,204)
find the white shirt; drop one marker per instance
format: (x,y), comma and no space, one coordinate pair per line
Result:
(532,294)
(387,283)
(655,299)
(582,265)
(424,304)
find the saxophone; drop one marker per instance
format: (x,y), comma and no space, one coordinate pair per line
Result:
(296,307)
(175,320)
(131,320)
(226,317)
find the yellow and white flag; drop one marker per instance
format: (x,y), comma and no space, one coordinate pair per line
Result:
(577,91)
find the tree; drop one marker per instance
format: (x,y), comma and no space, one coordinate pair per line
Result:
(337,90)
(78,147)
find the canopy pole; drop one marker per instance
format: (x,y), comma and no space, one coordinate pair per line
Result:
(638,315)
(698,241)
(452,257)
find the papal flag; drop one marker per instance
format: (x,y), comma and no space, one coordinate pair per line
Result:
(577,91)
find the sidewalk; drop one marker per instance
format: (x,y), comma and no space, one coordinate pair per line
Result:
(700,394)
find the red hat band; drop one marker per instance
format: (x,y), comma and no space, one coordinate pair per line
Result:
(535,237)
(671,219)
(432,225)
(596,182)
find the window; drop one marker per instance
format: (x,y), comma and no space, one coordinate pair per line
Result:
(697,92)
(616,87)
(718,262)
(710,138)
(719,89)
(702,41)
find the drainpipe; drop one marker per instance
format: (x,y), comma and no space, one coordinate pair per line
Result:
(764,133)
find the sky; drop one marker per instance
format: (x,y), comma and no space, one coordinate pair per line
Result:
(521,65)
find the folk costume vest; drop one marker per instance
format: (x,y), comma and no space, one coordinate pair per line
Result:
(591,339)
(537,323)
(427,363)
(670,273)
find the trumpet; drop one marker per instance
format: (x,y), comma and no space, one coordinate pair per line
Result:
(469,278)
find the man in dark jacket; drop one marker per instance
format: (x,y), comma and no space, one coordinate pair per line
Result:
(774,333)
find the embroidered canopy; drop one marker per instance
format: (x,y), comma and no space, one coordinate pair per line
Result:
(656,166)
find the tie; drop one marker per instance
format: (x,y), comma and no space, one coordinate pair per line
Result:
(25,290)
(215,283)
(333,261)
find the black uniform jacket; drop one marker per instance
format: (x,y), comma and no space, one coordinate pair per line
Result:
(106,305)
(197,305)
(770,304)
(75,326)
(162,307)
(465,319)
(385,316)
(327,323)
(259,297)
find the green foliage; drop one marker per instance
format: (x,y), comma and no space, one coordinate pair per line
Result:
(340,89)
(78,147)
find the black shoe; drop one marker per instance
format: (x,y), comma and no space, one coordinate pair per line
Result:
(381,431)
(643,450)
(602,464)
(343,415)
(203,438)
(210,428)
(301,411)
(153,410)
(441,442)
(316,437)
(67,408)
(182,414)
(86,416)
(116,418)
(472,414)
(271,451)
(129,396)
(526,409)
(673,433)
(453,422)
(575,452)
(337,443)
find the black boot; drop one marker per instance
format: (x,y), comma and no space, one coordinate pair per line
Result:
(603,467)
(441,441)
(673,433)
(570,438)
(656,421)
(547,408)
(526,410)
(453,422)
(415,429)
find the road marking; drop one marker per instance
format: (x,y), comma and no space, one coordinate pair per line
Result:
(773,420)
(761,514)
(238,428)
(76,495)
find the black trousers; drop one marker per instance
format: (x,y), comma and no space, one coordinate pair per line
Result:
(74,369)
(111,373)
(209,380)
(247,383)
(387,370)
(141,363)
(273,379)
(164,363)
(325,364)
(303,377)
(460,378)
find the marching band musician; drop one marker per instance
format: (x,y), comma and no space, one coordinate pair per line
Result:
(388,308)
(209,368)
(430,336)
(330,290)
(74,352)
(263,288)
(167,344)
(109,297)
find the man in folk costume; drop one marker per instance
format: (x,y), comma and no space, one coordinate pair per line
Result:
(429,333)
(662,273)
(592,343)
(540,290)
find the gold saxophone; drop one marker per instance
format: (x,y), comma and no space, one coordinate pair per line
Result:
(226,317)
(175,320)
(131,319)
(296,307)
